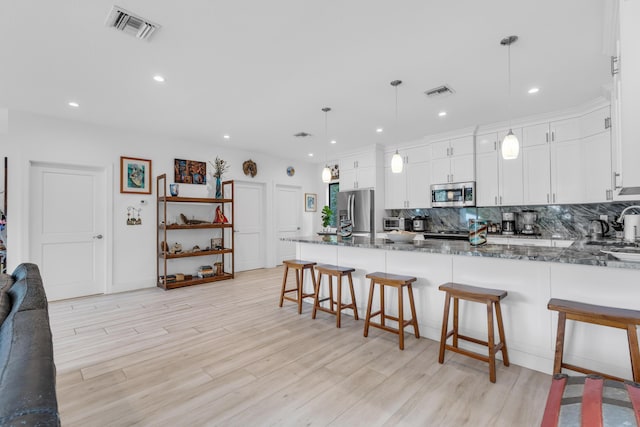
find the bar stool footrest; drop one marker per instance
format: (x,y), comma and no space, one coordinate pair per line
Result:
(468,353)
(384,327)
(591,372)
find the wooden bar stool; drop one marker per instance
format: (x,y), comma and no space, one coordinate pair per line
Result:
(490,297)
(599,315)
(398,282)
(338,272)
(299,266)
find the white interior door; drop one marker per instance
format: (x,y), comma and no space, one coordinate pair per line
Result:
(289,205)
(249,226)
(67,217)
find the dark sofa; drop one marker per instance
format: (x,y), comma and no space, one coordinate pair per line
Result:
(27,370)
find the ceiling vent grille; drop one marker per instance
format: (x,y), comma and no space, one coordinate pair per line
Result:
(439,91)
(131,24)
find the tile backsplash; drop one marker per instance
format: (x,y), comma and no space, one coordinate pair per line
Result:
(561,220)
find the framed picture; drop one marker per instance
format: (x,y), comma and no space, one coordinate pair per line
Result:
(135,175)
(310,202)
(190,172)
(335,172)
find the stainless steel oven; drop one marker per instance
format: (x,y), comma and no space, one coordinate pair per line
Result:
(455,194)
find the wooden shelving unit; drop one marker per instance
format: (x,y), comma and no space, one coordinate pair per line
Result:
(165,229)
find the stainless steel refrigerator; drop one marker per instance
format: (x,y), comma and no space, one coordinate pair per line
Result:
(358,206)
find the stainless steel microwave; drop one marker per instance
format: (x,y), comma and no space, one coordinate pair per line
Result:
(455,194)
(394,223)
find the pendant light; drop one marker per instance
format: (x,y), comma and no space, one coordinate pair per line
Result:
(510,144)
(326,172)
(396,160)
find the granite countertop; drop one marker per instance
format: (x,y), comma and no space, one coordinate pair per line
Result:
(582,251)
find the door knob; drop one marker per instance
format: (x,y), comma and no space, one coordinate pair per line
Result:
(99,236)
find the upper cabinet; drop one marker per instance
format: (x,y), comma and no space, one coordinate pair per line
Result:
(453,160)
(410,188)
(626,95)
(498,181)
(358,171)
(568,161)
(556,131)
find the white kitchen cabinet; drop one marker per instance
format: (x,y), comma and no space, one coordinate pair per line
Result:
(487,187)
(453,160)
(595,122)
(359,160)
(570,171)
(410,188)
(536,174)
(627,83)
(511,175)
(553,173)
(358,171)
(556,131)
(567,183)
(552,163)
(395,189)
(499,182)
(418,186)
(597,168)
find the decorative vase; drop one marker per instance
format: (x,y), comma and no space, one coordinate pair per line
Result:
(346,228)
(173,189)
(218,188)
(477,232)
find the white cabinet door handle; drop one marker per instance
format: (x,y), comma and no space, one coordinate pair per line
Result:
(615,181)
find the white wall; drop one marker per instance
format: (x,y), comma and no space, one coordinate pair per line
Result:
(43,139)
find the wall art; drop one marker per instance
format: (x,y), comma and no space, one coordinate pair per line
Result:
(135,175)
(310,202)
(190,172)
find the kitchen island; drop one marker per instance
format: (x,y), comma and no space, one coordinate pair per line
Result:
(531,275)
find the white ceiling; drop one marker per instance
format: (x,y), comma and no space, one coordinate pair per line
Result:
(262,70)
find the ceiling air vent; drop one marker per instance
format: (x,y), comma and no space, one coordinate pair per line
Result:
(131,24)
(439,91)
(302,134)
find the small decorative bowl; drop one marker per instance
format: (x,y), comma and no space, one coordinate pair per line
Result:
(401,237)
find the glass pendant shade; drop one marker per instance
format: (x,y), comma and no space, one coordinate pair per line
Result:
(326,174)
(510,146)
(396,163)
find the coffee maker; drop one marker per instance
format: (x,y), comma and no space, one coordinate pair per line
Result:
(508,223)
(528,222)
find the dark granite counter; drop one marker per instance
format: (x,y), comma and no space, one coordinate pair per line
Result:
(583,252)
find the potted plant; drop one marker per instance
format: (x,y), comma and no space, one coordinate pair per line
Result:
(326,214)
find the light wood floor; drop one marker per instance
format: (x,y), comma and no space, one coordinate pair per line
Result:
(226,354)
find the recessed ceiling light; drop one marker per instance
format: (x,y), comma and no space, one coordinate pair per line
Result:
(379,130)
(225,136)
(310,154)
(73,104)
(333,141)
(159,78)
(534,90)
(442,113)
